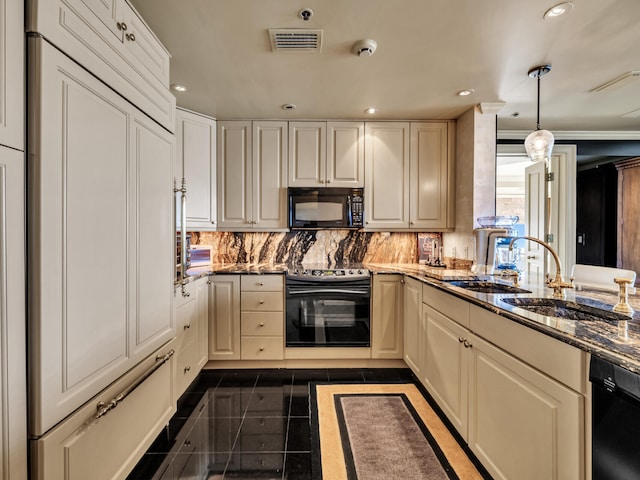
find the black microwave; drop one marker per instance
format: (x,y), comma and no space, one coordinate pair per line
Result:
(332,207)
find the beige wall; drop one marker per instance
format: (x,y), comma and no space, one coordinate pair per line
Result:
(475,179)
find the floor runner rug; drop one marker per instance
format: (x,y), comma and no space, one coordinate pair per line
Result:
(383,432)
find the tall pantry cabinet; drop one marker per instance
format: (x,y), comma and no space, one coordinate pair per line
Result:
(13,391)
(101,238)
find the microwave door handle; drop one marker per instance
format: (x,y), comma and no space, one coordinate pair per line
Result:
(328,290)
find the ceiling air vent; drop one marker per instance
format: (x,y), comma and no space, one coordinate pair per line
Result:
(618,81)
(295,40)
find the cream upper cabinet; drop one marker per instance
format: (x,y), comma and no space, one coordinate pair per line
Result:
(104,198)
(196,161)
(252,175)
(431,179)
(12,81)
(345,154)
(409,172)
(338,163)
(307,154)
(111,40)
(386,187)
(414,348)
(224,317)
(386,319)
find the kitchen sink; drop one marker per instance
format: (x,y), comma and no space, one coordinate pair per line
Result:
(552,307)
(483,286)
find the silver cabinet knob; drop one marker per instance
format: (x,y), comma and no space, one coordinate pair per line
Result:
(262,349)
(187,369)
(130,36)
(261,284)
(261,302)
(122,26)
(262,324)
(187,326)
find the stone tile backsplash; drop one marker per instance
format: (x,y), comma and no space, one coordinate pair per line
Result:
(326,247)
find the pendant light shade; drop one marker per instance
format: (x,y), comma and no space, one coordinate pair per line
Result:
(539,144)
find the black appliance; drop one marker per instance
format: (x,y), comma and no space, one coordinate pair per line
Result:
(616,421)
(311,208)
(328,308)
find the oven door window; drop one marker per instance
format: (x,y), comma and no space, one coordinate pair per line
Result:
(328,317)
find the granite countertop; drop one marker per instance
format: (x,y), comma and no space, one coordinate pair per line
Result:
(600,337)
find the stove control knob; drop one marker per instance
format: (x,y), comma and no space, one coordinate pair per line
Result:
(360,272)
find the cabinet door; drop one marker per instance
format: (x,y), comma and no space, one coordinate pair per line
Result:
(80,217)
(13,374)
(386,321)
(446,371)
(234,175)
(431,180)
(224,317)
(522,424)
(151,323)
(144,47)
(196,142)
(202,340)
(413,331)
(269,173)
(12,50)
(387,175)
(99,14)
(307,154)
(345,154)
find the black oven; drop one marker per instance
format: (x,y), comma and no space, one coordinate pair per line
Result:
(328,308)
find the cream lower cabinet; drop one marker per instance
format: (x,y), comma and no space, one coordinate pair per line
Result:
(520,411)
(192,326)
(262,317)
(386,316)
(100,186)
(13,371)
(224,317)
(414,348)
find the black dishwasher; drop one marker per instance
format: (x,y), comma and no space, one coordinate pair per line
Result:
(616,421)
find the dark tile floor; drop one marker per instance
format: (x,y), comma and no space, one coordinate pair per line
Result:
(246,424)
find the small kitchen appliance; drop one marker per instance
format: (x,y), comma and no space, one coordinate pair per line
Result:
(492,245)
(314,208)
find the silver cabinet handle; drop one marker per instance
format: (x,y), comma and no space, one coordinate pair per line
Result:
(122,26)
(262,324)
(261,284)
(461,340)
(187,326)
(187,369)
(261,302)
(131,37)
(467,344)
(262,349)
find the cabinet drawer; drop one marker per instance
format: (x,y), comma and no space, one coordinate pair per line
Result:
(186,324)
(262,301)
(186,367)
(262,324)
(75,449)
(261,283)
(451,306)
(262,348)
(179,299)
(561,361)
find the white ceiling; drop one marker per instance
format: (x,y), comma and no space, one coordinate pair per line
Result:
(427,51)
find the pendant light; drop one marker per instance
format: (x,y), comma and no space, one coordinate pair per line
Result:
(539,143)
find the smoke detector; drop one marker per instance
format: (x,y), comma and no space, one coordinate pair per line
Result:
(365,48)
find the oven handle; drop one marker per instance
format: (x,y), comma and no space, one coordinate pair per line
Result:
(361,291)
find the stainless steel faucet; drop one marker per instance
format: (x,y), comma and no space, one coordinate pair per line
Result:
(558,284)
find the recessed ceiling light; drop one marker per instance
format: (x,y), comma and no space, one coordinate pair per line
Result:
(371,110)
(558,10)
(288,106)
(176,87)
(464,93)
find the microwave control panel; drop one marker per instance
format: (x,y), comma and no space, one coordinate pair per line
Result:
(357,207)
